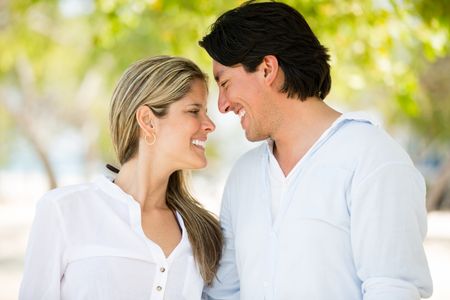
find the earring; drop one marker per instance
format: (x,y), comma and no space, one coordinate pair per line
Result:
(152,142)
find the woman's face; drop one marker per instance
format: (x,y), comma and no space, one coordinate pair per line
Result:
(183,131)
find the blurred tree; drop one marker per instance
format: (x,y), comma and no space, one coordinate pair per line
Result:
(60,59)
(433,122)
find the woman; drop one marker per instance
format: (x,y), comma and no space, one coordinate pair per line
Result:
(142,236)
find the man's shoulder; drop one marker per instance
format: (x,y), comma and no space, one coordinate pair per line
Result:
(366,144)
(252,157)
(253,154)
(365,129)
(249,162)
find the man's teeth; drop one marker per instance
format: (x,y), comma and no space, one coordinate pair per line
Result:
(241,113)
(199,143)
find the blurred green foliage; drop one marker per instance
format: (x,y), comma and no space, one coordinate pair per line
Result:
(59,62)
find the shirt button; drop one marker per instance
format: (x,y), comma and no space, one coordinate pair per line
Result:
(159,288)
(162,269)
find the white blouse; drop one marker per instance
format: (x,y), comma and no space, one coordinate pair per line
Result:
(87,243)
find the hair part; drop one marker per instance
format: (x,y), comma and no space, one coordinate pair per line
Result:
(157,82)
(248,33)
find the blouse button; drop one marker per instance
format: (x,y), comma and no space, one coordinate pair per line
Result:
(158,288)
(162,269)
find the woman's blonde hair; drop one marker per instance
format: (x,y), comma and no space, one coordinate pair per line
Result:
(157,82)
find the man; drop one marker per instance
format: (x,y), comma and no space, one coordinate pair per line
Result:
(330,207)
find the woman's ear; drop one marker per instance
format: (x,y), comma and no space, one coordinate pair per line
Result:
(270,68)
(146,119)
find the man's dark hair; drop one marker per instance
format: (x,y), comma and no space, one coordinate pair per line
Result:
(246,34)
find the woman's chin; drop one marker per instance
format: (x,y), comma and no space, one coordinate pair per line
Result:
(199,164)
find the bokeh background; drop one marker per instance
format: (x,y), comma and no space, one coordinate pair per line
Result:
(60,59)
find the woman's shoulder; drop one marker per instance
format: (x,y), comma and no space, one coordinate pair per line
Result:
(61,195)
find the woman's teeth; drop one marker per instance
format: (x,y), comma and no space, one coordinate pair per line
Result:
(199,143)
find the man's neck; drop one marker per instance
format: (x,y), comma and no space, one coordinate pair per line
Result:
(303,124)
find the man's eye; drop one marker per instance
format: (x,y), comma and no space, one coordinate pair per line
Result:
(223,84)
(194,111)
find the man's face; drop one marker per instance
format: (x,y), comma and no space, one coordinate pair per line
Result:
(243,93)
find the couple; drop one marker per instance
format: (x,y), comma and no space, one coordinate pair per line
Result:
(330,207)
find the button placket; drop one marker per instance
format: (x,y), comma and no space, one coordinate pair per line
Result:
(161,279)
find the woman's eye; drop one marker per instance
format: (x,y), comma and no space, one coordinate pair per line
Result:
(223,84)
(194,111)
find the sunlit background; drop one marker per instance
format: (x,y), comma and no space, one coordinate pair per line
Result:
(59,61)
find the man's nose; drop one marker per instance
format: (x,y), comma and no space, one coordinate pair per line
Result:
(223,103)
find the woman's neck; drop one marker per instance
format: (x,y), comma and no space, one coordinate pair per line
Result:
(145,183)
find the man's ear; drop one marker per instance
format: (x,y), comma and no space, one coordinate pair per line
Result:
(270,68)
(146,119)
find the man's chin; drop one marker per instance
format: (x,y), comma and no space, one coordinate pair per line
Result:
(254,138)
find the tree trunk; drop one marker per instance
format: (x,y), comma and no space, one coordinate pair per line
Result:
(437,190)
(24,125)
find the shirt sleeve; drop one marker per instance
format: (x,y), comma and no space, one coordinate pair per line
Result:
(388,226)
(43,260)
(226,283)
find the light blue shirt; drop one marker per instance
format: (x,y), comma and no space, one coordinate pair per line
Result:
(350,226)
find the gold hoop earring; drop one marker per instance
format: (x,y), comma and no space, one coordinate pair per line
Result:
(153,141)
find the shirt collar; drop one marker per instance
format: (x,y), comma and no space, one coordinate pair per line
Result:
(113,190)
(356,116)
